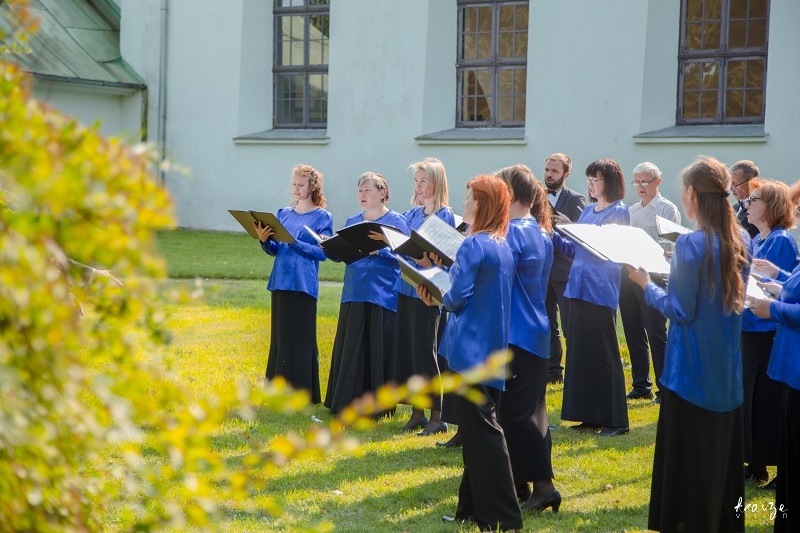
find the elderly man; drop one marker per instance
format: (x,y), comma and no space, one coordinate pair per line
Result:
(744,175)
(642,324)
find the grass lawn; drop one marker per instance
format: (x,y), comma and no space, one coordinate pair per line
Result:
(396,481)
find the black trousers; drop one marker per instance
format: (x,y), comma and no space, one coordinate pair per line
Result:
(787,495)
(523,417)
(486,495)
(762,399)
(643,326)
(555,302)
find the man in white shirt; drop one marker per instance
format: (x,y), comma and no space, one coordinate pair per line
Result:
(642,324)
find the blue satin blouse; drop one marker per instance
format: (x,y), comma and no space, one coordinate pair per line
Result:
(703,360)
(296,266)
(533,257)
(372,279)
(780,248)
(479,302)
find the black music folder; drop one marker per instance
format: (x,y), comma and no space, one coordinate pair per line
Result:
(246,219)
(353,242)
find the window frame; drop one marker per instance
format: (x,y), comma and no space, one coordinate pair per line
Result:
(494,65)
(723,56)
(307,70)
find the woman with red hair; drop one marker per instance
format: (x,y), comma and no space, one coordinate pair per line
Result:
(481,278)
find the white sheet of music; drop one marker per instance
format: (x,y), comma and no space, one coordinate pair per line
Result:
(620,244)
(442,235)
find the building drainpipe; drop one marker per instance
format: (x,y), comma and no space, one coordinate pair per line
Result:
(162,90)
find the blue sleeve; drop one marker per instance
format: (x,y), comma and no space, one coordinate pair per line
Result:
(786,314)
(563,245)
(463,274)
(782,252)
(313,251)
(680,304)
(271,247)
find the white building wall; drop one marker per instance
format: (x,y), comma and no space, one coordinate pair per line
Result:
(599,73)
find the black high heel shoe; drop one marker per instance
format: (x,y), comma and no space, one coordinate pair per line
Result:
(554,501)
(441,428)
(411,426)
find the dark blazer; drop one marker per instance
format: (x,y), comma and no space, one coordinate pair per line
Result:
(742,218)
(571,204)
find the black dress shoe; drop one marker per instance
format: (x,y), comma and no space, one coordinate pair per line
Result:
(759,476)
(553,501)
(639,394)
(441,428)
(555,379)
(411,426)
(612,432)
(772,485)
(523,492)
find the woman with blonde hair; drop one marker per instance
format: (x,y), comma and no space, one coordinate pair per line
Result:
(294,283)
(418,326)
(482,278)
(697,468)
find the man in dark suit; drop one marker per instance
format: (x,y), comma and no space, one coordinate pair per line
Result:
(567,206)
(743,177)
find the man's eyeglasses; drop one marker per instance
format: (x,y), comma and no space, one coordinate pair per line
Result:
(740,183)
(642,183)
(749,200)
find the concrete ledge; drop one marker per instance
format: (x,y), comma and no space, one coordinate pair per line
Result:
(286,136)
(474,136)
(728,133)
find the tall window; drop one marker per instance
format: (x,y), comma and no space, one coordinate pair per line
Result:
(722,61)
(492,62)
(300,67)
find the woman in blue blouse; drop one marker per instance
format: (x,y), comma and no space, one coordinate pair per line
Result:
(697,469)
(594,383)
(294,283)
(364,348)
(784,367)
(418,325)
(481,278)
(523,415)
(770,209)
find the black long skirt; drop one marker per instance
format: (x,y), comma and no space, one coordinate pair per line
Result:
(594,382)
(293,351)
(523,417)
(486,495)
(698,481)
(762,400)
(419,329)
(363,353)
(787,494)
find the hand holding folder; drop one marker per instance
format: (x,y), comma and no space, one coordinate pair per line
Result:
(433,236)
(434,279)
(248,218)
(354,242)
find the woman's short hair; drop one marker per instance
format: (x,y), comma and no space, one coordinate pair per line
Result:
(314,182)
(778,206)
(493,200)
(438,177)
(378,181)
(612,177)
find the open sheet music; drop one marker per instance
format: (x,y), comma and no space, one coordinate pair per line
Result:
(433,236)
(247,218)
(620,244)
(436,280)
(754,291)
(351,243)
(669,229)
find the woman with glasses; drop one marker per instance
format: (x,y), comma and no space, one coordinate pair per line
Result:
(697,474)
(770,209)
(784,366)
(594,382)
